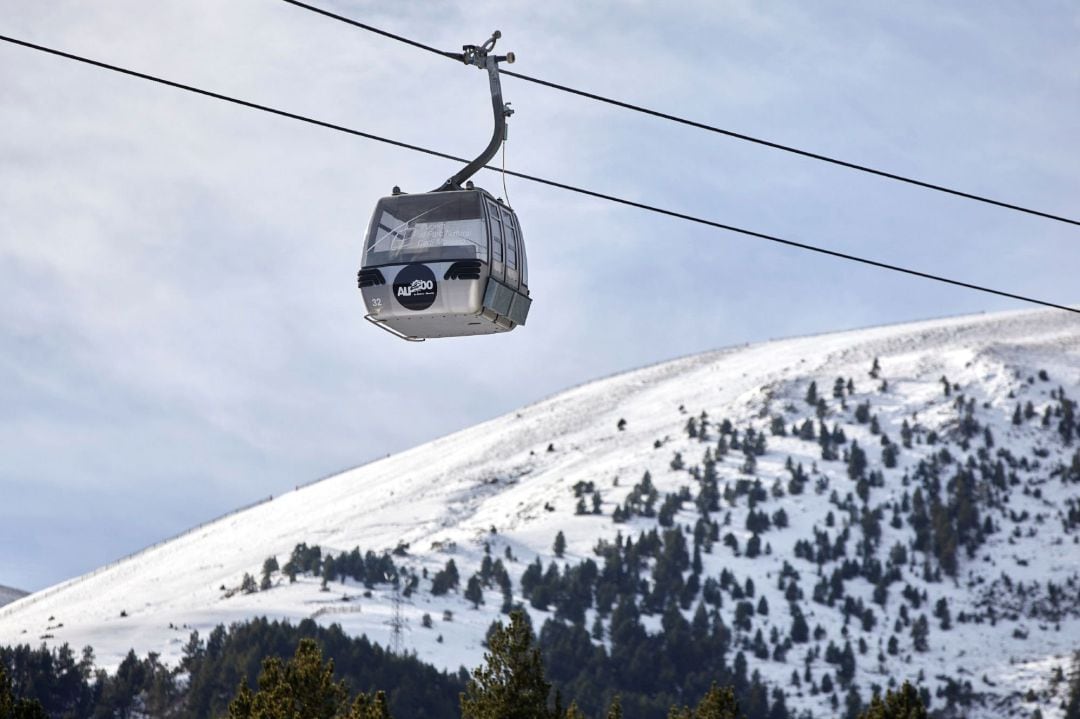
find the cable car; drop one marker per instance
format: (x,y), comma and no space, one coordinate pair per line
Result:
(450,262)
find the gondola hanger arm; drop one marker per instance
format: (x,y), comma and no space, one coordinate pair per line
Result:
(482,57)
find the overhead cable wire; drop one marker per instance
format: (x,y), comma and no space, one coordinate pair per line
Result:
(536,179)
(704,126)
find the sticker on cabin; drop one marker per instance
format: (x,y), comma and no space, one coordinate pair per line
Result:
(415,287)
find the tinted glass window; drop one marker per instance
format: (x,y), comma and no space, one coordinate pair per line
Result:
(511,240)
(496,233)
(427,227)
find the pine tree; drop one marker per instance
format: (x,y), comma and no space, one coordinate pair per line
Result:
(560,544)
(888,456)
(269,567)
(862,413)
(852,703)
(821,409)
(573,712)
(1072,707)
(367,706)
(941,611)
(906,434)
(13,708)
(445,579)
(904,703)
(598,628)
(800,631)
(6,700)
(510,684)
(753,546)
(329,570)
(920,630)
(302,688)
(474,592)
(856,461)
(718,704)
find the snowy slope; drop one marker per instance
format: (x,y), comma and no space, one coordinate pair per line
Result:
(490,483)
(9,595)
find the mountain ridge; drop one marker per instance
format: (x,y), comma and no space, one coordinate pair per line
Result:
(10,594)
(443,498)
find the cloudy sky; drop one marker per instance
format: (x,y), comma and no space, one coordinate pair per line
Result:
(180,329)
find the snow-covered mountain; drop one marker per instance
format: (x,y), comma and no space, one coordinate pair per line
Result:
(10,594)
(960,386)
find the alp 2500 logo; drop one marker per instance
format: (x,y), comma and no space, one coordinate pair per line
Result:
(415,287)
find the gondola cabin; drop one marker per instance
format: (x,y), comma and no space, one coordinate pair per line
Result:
(444,264)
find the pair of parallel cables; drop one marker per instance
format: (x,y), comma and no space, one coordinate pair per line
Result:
(601,195)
